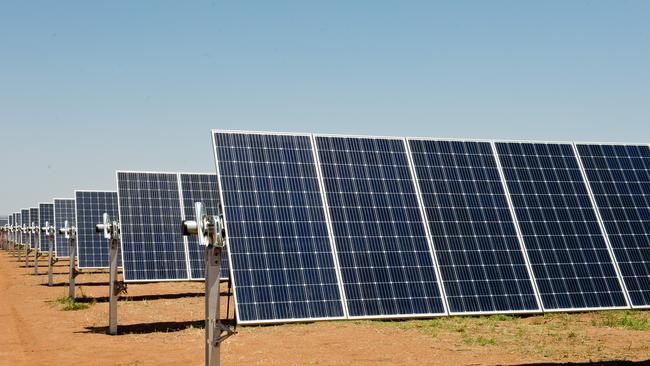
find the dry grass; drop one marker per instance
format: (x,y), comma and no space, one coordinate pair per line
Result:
(571,336)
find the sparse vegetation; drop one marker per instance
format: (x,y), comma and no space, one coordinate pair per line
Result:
(568,335)
(626,319)
(69,304)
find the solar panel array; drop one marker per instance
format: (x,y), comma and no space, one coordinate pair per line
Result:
(33,219)
(92,248)
(45,214)
(64,210)
(417,227)
(336,227)
(619,176)
(151,208)
(200,188)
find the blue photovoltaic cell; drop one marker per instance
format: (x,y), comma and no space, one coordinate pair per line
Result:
(619,176)
(24,219)
(45,214)
(153,248)
(386,263)
(480,257)
(33,218)
(92,247)
(200,188)
(282,264)
(566,247)
(63,211)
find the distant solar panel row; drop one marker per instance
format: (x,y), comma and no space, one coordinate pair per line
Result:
(151,208)
(323,227)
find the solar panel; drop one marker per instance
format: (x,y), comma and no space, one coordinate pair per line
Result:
(63,211)
(33,218)
(482,265)
(567,250)
(45,214)
(92,248)
(18,223)
(24,220)
(619,177)
(152,244)
(200,188)
(384,253)
(280,252)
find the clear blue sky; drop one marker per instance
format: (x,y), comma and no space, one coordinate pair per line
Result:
(89,87)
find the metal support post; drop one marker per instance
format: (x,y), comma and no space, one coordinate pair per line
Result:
(213,326)
(73,271)
(50,260)
(27,251)
(37,245)
(212,235)
(49,232)
(111,230)
(114,288)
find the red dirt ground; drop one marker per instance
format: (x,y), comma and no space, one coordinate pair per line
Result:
(162,324)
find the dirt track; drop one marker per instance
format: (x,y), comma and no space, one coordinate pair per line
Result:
(161,324)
